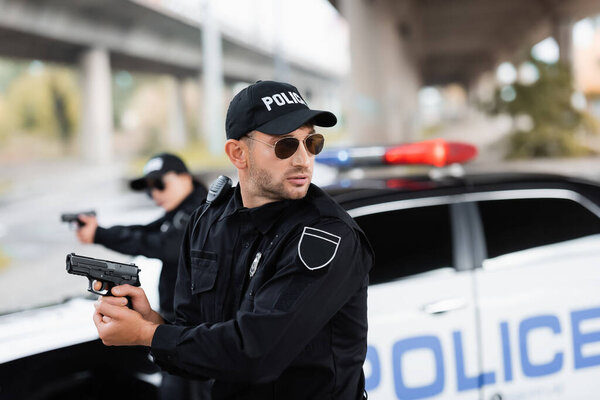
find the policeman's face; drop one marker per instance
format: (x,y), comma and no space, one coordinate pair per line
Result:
(176,188)
(274,179)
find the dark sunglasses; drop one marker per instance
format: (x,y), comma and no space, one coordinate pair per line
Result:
(286,147)
(157,184)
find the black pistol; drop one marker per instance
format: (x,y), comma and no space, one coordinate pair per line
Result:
(73,217)
(109,273)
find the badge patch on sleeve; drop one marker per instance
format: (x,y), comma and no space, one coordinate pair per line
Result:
(317,248)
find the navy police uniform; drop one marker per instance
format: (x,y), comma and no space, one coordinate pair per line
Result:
(160,239)
(271,302)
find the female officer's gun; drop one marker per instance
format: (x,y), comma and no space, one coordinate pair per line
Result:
(109,273)
(74,217)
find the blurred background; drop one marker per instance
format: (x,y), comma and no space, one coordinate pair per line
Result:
(89,89)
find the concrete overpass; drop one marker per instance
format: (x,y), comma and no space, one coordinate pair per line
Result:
(397,46)
(101,35)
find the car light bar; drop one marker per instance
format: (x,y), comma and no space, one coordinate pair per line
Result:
(436,152)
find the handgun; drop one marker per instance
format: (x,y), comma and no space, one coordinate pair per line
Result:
(73,217)
(109,273)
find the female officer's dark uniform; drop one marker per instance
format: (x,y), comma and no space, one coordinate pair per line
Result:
(159,239)
(284,290)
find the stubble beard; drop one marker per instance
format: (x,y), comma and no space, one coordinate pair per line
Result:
(268,187)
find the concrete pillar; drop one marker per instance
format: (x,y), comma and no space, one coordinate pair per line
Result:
(384,77)
(176,133)
(281,68)
(563,34)
(97,117)
(213,115)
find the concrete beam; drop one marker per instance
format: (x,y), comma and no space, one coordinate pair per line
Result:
(456,29)
(577,9)
(81,28)
(137,37)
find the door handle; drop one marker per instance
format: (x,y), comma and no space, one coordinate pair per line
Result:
(443,306)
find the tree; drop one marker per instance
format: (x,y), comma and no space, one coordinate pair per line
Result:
(553,124)
(44,103)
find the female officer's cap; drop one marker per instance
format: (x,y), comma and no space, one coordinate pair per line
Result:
(156,167)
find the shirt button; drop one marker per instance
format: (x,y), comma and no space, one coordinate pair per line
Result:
(246,245)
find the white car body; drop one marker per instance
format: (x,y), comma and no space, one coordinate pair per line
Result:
(522,325)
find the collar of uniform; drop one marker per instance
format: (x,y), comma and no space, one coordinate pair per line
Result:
(235,203)
(262,217)
(193,199)
(265,216)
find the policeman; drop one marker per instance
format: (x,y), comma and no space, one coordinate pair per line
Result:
(276,267)
(168,182)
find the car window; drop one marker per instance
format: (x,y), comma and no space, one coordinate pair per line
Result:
(408,241)
(520,224)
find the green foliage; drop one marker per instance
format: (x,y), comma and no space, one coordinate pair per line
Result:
(9,70)
(43,101)
(545,141)
(5,121)
(431,131)
(556,124)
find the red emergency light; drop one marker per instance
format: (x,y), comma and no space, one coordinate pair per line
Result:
(436,152)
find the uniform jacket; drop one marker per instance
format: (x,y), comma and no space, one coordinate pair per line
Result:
(271,301)
(159,239)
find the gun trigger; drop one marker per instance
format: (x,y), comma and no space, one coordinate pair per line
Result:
(104,290)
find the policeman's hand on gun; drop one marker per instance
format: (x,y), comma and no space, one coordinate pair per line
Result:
(87,231)
(119,325)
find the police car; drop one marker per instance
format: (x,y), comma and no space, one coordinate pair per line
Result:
(484,287)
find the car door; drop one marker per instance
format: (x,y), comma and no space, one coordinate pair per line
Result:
(538,295)
(422,340)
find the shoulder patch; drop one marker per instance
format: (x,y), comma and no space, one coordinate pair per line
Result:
(317,248)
